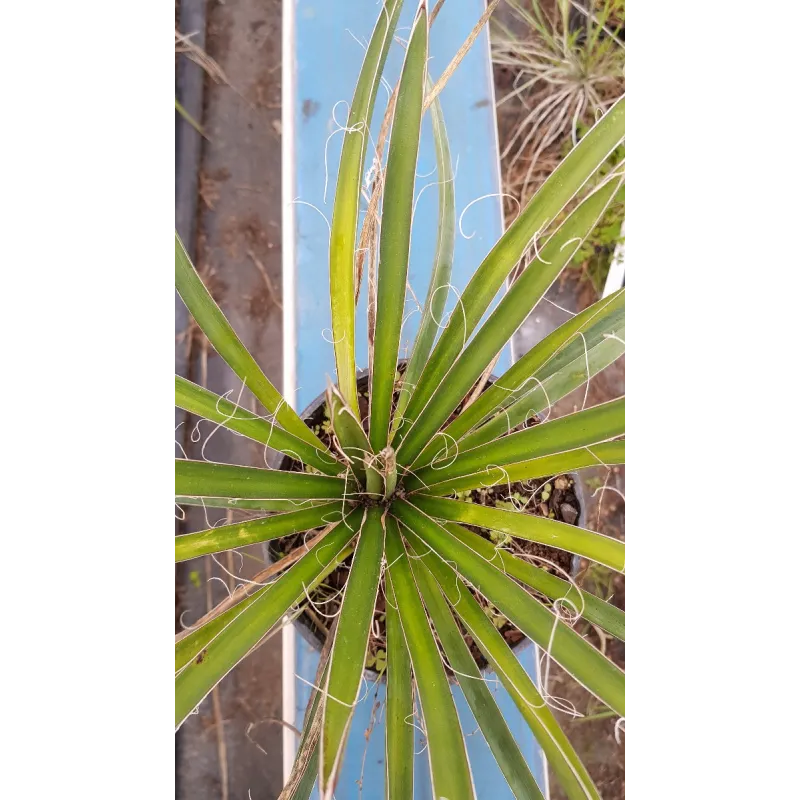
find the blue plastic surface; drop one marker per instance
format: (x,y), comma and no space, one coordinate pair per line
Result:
(327,59)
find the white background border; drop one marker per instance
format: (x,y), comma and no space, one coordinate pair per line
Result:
(87,324)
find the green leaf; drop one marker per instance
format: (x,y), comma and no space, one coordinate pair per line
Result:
(442,262)
(604,454)
(594,546)
(541,396)
(543,208)
(245,630)
(350,648)
(352,439)
(188,117)
(399,708)
(610,618)
(201,478)
(229,537)
(191,645)
(345,206)
(488,716)
(194,641)
(561,756)
(601,320)
(197,400)
(247,505)
(581,429)
(450,771)
(586,664)
(511,312)
(396,230)
(224,340)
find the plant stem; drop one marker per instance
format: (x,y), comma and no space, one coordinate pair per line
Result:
(391,482)
(374,482)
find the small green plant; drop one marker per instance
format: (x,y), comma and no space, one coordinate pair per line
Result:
(594,256)
(387,493)
(601,579)
(376,661)
(497,618)
(498,537)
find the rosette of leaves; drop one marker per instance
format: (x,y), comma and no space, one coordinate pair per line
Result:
(385,493)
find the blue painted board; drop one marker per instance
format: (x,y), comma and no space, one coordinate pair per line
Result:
(489,781)
(327,58)
(327,62)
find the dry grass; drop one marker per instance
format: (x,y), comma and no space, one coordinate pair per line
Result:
(273,294)
(184,45)
(564,64)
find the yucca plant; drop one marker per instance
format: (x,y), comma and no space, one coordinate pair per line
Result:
(384,494)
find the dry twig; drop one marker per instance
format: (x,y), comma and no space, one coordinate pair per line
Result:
(216,706)
(313,728)
(184,45)
(273,295)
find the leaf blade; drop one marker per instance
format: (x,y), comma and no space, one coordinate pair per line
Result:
(190,646)
(601,315)
(543,207)
(204,403)
(603,454)
(395,237)
(229,537)
(345,206)
(595,546)
(450,771)
(586,664)
(560,754)
(581,429)
(223,338)
(512,310)
(399,708)
(353,441)
(192,641)
(488,716)
(245,504)
(442,262)
(349,651)
(599,612)
(237,639)
(304,772)
(541,396)
(201,478)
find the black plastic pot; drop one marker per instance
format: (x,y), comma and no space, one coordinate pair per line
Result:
(305,626)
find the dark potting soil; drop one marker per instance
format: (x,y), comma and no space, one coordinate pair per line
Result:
(552,497)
